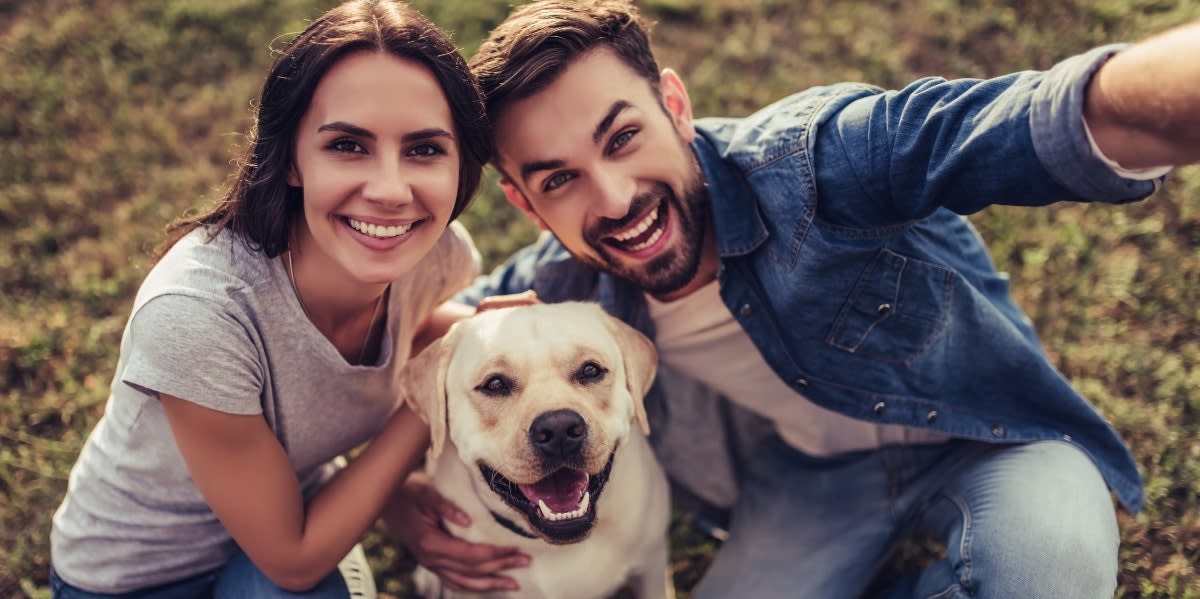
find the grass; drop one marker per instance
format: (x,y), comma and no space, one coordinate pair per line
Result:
(117,115)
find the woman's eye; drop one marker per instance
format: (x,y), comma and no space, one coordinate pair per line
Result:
(347,146)
(496,385)
(555,181)
(426,150)
(590,372)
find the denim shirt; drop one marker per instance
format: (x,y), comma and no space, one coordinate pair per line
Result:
(845,255)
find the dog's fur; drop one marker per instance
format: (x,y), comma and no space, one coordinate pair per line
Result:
(486,389)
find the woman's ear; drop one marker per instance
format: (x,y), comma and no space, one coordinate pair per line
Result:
(293,177)
(518,199)
(678,105)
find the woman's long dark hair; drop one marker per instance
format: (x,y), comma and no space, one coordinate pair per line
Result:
(257,203)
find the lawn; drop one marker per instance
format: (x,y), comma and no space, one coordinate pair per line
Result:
(117,115)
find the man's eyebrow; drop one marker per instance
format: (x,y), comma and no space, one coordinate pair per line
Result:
(539,165)
(607,121)
(601,129)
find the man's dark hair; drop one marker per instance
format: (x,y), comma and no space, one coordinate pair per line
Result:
(532,47)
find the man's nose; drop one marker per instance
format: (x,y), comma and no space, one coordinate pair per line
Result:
(614,193)
(389,185)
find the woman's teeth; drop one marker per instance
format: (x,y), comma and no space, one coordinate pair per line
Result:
(379,231)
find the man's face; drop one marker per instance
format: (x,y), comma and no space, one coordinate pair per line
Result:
(605,165)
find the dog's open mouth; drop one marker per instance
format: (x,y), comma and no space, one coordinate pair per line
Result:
(561,506)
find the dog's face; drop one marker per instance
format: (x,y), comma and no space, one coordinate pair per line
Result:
(536,399)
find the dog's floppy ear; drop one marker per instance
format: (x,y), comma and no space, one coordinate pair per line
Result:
(422,384)
(641,362)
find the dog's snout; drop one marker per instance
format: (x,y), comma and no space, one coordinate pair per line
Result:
(558,434)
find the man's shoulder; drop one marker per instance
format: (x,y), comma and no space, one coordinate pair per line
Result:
(781,127)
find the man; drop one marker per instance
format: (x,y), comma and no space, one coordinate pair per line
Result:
(810,264)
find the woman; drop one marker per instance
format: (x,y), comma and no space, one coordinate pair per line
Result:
(265,340)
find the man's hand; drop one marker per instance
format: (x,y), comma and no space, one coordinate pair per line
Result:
(524,298)
(1143,105)
(415,517)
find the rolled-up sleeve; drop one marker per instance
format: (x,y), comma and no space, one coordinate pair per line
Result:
(1060,138)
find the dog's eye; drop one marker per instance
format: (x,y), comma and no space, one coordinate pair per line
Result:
(495,386)
(590,372)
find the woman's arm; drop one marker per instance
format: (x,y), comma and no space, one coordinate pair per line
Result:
(248,481)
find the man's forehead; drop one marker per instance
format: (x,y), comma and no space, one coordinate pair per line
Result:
(567,111)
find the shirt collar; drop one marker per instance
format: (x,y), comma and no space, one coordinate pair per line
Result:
(735,212)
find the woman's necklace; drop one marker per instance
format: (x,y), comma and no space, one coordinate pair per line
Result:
(362,350)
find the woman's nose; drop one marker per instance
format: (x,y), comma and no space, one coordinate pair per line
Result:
(389,186)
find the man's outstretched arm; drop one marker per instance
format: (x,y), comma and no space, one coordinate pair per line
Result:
(1143,105)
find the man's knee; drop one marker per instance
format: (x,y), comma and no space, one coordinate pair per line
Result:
(1050,530)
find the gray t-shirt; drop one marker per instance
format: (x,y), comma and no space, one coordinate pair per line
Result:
(219,324)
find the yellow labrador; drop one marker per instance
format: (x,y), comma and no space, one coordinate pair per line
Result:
(532,411)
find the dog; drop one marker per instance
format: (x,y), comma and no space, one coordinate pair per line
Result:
(532,413)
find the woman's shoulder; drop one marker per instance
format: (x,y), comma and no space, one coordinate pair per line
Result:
(220,266)
(453,256)
(450,265)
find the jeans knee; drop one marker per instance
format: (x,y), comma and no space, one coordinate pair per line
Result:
(1035,521)
(241,578)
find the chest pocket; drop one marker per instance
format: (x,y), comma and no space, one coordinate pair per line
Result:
(899,307)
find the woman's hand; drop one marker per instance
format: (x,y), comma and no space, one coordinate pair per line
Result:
(415,516)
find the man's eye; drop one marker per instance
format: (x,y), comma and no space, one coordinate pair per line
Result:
(347,146)
(590,372)
(623,138)
(496,386)
(555,181)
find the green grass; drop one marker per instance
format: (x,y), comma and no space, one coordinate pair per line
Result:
(117,115)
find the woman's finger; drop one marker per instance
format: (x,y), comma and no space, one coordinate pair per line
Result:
(468,584)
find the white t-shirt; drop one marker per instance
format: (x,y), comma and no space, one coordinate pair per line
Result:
(698,336)
(219,324)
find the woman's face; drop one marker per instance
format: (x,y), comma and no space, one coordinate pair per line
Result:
(378,162)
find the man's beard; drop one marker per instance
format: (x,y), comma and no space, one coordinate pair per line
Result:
(674,268)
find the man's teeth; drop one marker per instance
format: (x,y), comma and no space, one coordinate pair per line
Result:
(378,231)
(551,515)
(639,228)
(645,244)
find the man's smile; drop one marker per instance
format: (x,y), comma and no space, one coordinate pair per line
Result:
(643,233)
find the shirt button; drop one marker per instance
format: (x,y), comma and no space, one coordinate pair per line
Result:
(884,308)
(997,431)
(880,407)
(931,416)
(745,310)
(801,382)
(1067,438)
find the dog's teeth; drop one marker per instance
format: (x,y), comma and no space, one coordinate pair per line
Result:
(549,514)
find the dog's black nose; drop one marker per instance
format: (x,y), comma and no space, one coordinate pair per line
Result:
(558,434)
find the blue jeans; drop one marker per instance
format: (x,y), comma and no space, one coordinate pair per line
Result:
(1026,521)
(237,579)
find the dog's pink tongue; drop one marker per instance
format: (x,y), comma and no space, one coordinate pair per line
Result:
(562,491)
